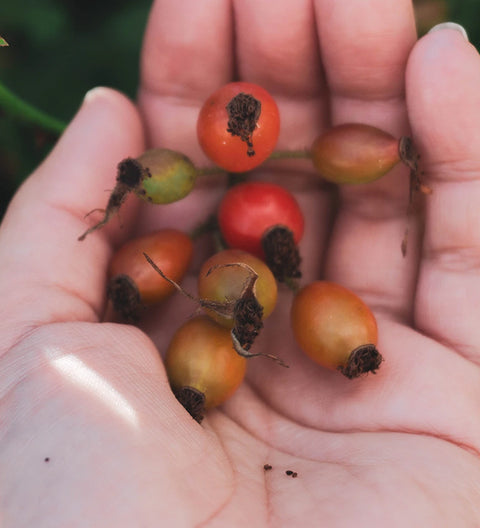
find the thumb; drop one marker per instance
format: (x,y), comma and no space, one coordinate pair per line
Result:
(47,274)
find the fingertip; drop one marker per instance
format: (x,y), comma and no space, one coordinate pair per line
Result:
(100,92)
(440,45)
(81,169)
(451,26)
(111,98)
(443,92)
(109,104)
(106,128)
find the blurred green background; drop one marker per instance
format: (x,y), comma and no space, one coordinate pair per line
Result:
(59,49)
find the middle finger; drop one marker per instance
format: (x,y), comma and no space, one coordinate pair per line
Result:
(365,46)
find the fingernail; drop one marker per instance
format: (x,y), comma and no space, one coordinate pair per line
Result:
(98,91)
(450,25)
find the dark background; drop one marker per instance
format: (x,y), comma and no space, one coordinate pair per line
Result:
(59,49)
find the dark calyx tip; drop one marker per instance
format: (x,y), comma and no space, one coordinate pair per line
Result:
(129,175)
(248,314)
(281,253)
(364,359)
(243,112)
(192,400)
(130,172)
(125,297)
(407,152)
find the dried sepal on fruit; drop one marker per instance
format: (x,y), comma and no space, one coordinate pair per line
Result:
(247,315)
(158,176)
(233,270)
(282,254)
(243,112)
(336,329)
(241,312)
(244,311)
(202,366)
(133,284)
(129,175)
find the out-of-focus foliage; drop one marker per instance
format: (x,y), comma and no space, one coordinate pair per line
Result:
(59,49)
(428,13)
(467,13)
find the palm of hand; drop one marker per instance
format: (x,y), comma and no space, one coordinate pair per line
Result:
(398,447)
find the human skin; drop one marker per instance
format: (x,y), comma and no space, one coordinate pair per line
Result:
(90,433)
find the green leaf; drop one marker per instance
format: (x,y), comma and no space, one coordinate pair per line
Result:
(3,42)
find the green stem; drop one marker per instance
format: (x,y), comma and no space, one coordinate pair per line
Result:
(208,226)
(208,171)
(20,109)
(290,154)
(279,154)
(292,284)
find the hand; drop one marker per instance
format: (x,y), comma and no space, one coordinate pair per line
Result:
(90,432)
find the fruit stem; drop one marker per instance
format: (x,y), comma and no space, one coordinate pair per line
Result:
(210,171)
(290,154)
(246,354)
(292,284)
(210,225)
(279,154)
(24,111)
(222,308)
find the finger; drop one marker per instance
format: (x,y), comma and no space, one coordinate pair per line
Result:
(47,274)
(187,54)
(443,95)
(277,48)
(365,46)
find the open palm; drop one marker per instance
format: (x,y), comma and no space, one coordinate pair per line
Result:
(90,433)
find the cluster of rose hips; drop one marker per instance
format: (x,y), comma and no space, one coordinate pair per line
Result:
(260,225)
